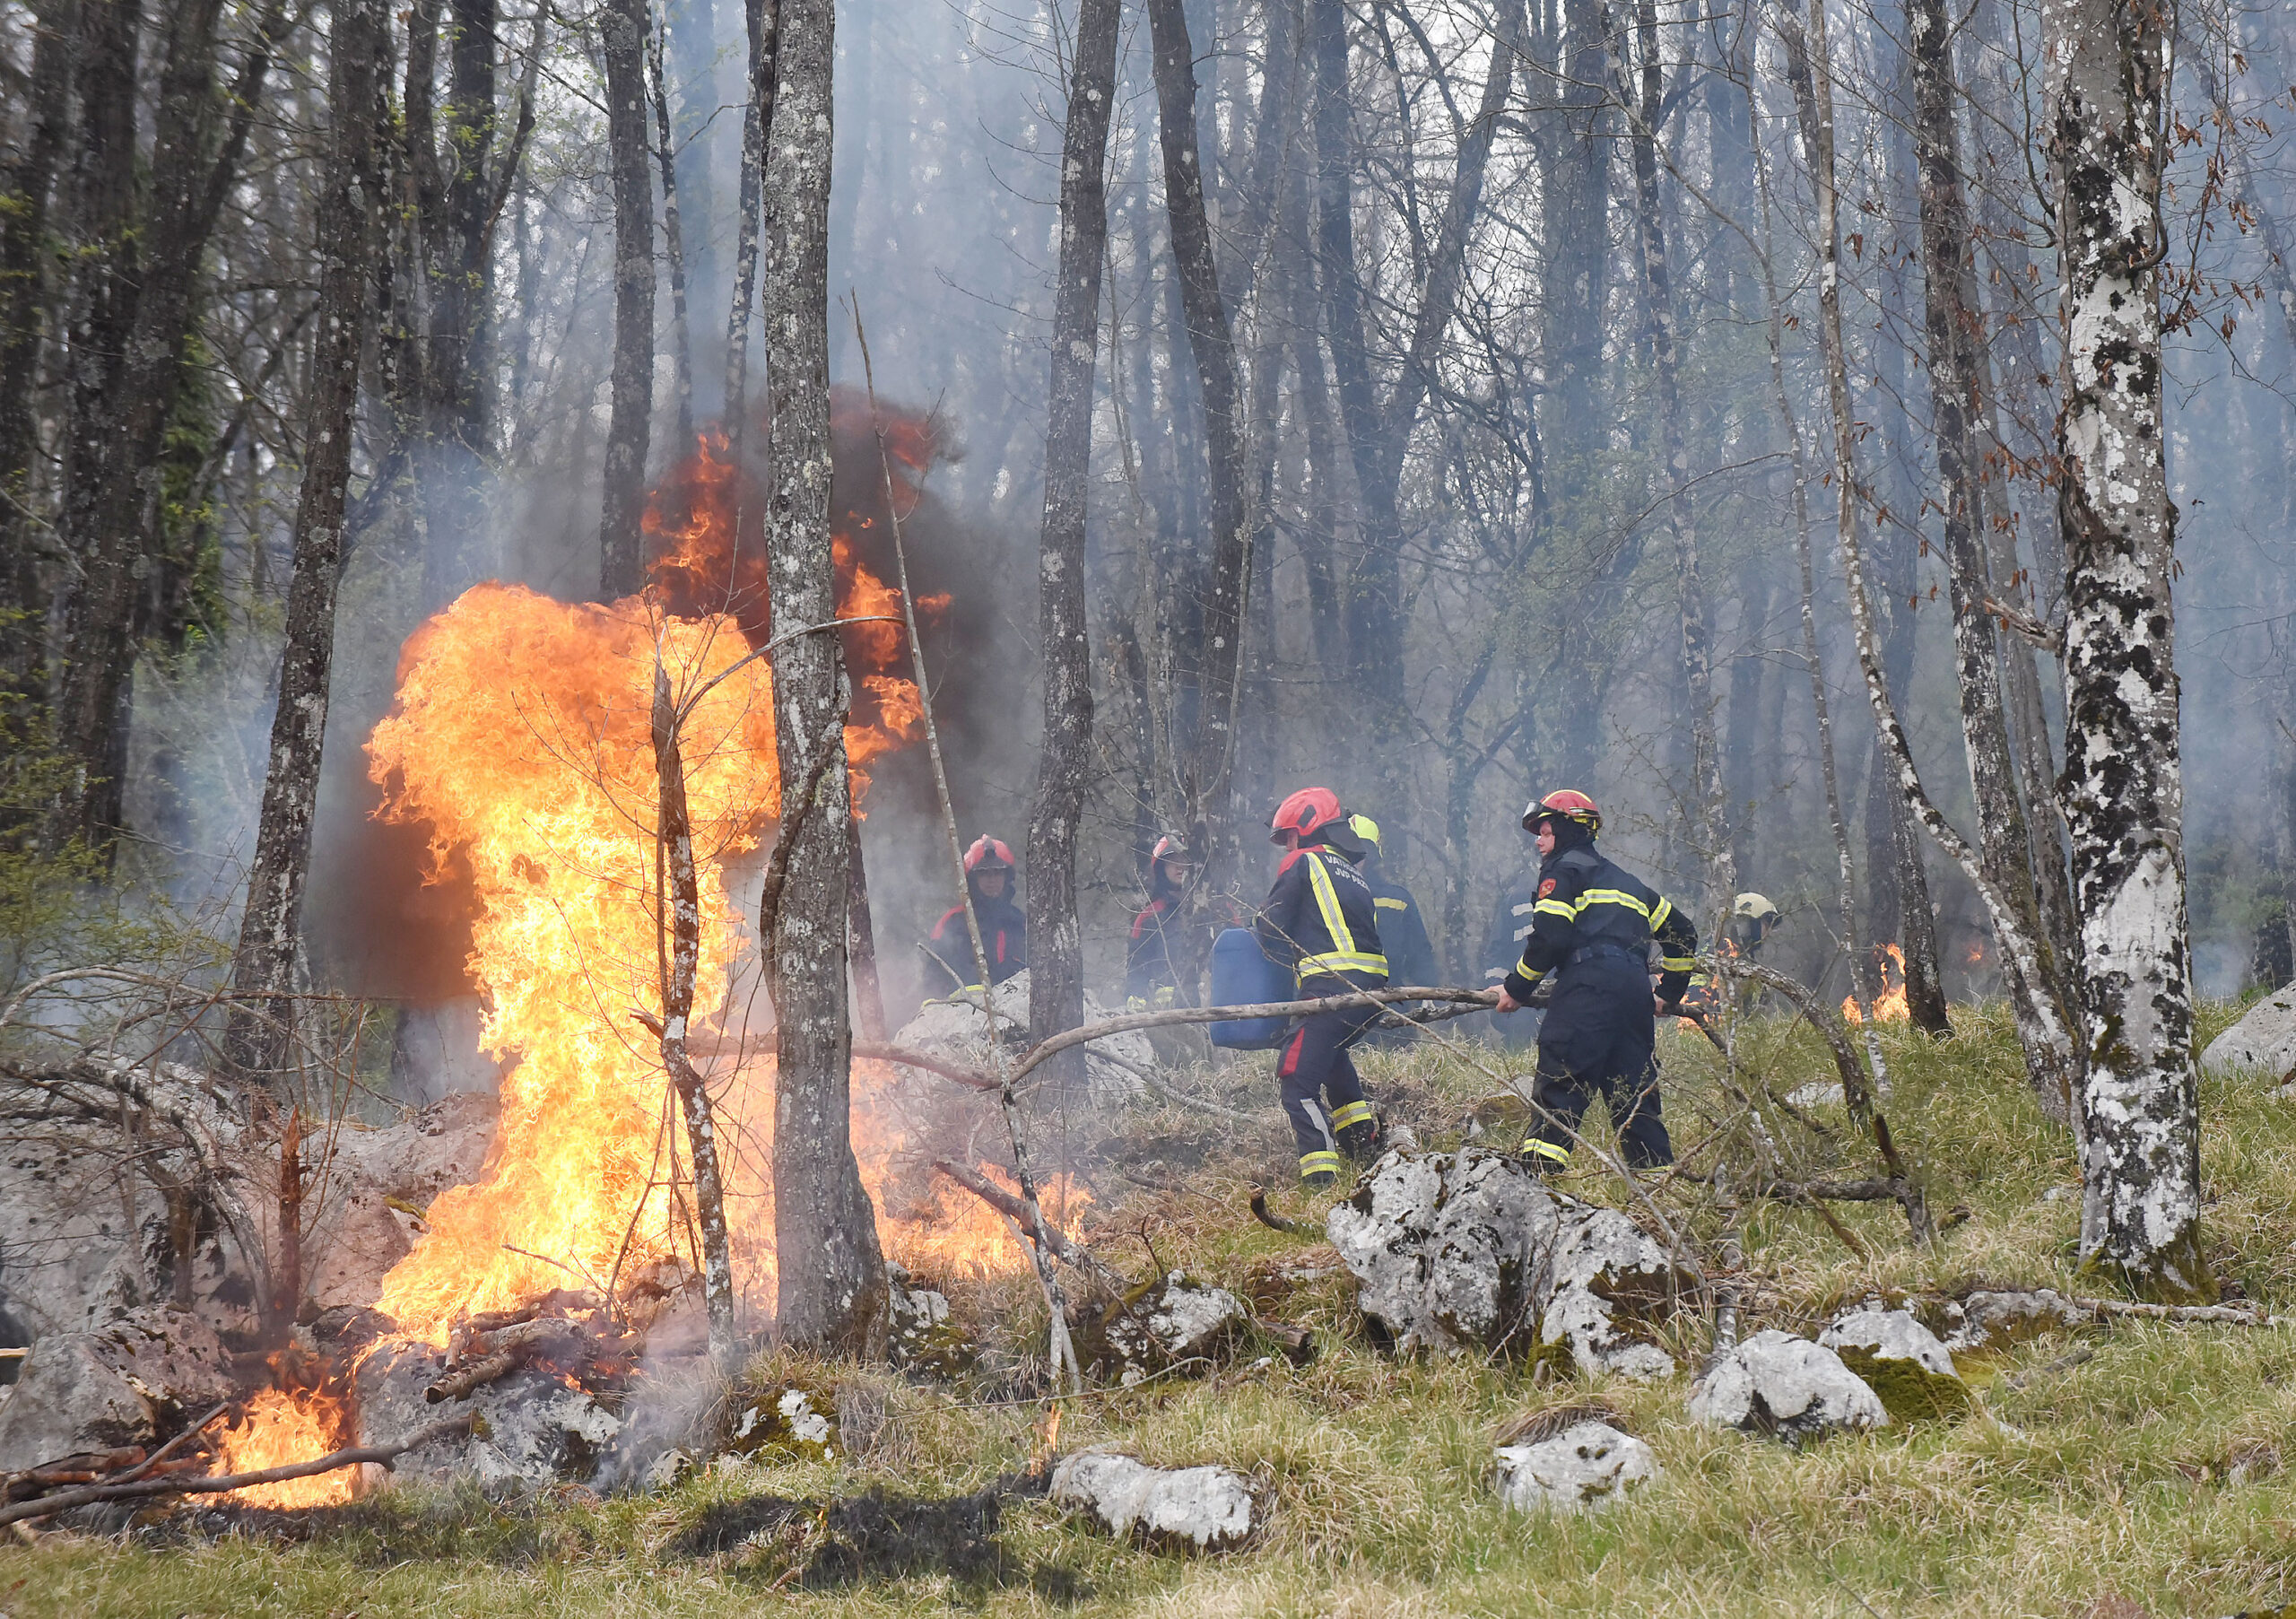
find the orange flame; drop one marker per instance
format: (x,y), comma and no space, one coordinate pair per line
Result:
(280,1428)
(522,739)
(1890,1006)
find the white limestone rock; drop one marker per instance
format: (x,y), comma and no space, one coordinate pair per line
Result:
(1997,1320)
(957,1028)
(1900,1359)
(534,1430)
(1586,1466)
(1603,1276)
(1787,1388)
(141,1379)
(1469,1252)
(1172,1321)
(1209,1509)
(2264,1039)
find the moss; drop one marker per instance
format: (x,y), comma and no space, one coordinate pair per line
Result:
(1910,1391)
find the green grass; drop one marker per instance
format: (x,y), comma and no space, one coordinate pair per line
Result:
(2151,1471)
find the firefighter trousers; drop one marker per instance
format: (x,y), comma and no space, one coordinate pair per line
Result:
(1600,1037)
(1322,1094)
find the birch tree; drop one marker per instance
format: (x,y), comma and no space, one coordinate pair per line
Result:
(2123,785)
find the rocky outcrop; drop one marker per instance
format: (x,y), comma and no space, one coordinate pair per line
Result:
(533,1429)
(923,1339)
(2264,1041)
(1990,1320)
(1786,1387)
(141,1379)
(376,1183)
(1588,1465)
(1173,1321)
(786,1423)
(1900,1360)
(1210,1509)
(1468,1252)
(956,1029)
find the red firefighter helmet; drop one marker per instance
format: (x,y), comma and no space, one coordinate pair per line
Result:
(1306,813)
(1170,847)
(988,853)
(1568,804)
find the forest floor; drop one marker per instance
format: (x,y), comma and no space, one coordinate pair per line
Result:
(2148,1477)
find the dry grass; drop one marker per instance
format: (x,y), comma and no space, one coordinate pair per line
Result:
(2148,1473)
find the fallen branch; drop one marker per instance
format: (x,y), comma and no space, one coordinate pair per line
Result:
(942,1065)
(143,1489)
(2231,1313)
(1274,1222)
(1013,1209)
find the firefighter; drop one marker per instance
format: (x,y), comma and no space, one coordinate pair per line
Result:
(1003,929)
(1153,962)
(1752,918)
(1403,929)
(1321,921)
(1592,926)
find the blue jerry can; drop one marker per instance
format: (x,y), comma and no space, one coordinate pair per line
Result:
(1242,976)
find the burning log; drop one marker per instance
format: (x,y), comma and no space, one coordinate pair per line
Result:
(485,1354)
(145,1488)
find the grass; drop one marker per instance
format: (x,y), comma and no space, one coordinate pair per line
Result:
(2150,1472)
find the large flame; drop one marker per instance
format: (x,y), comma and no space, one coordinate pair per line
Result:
(522,740)
(282,1427)
(1891,1005)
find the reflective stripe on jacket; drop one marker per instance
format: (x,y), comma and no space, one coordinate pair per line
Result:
(1320,917)
(1585,903)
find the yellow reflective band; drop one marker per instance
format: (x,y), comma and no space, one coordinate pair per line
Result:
(1392,904)
(1312,1164)
(1677,964)
(1355,1112)
(1547,1149)
(1558,908)
(1613,896)
(1659,913)
(1531,974)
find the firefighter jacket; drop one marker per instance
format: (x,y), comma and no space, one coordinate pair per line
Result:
(1004,935)
(1587,907)
(1151,959)
(1320,921)
(1510,926)
(1402,932)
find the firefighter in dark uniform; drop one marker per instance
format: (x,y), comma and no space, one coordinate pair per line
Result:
(1003,929)
(1153,959)
(1320,919)
(1592,926)
(1403,927)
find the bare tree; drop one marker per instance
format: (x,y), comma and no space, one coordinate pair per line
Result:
(1056,952)
(2123,785)
(836,1298)
(263,966)
(622,30)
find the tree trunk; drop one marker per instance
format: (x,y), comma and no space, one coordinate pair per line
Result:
(147,293)
(673,244)
(623,27)
(1951,319)
(680,907)
(1212,343)
(1571,425)
(861,940)
(835,1300)
(1712,847)
(764,20)
(25,289)
(1056,948)
(257,1037)
(2123,784)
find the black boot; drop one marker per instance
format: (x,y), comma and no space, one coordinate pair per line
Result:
(1362,1140)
